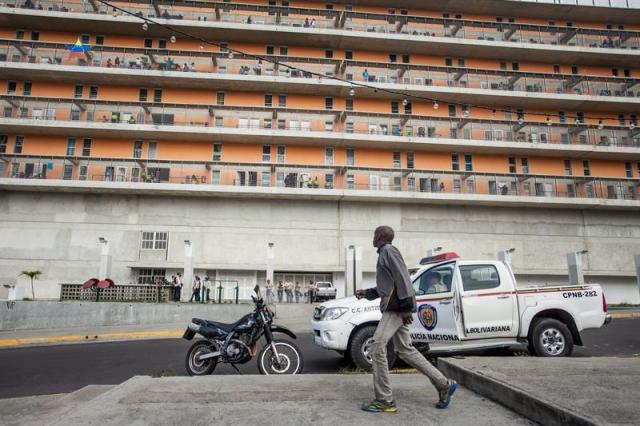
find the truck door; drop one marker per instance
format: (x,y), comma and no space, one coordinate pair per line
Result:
(435,320)
(488,301)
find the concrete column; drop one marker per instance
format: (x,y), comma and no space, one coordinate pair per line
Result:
(576,273)
(637,259)
(352,269)
(270,256)
(104,270)
(187,275)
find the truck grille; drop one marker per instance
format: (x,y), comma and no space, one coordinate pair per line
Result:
(317,312)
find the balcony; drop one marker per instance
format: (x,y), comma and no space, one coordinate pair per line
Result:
(351,30)
(256,125)
(110,65)
(196,178)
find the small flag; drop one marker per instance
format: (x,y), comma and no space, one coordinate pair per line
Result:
(78,49)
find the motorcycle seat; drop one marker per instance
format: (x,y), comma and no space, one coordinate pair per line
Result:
(221,325)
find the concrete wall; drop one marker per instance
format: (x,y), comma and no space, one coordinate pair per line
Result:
(58,234)
(52,315)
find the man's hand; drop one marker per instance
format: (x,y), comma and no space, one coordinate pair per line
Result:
(359,294)
(407,318)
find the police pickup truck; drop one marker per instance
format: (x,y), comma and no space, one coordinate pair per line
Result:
(469,305)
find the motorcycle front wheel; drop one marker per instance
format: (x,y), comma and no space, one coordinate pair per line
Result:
(197,367)
(288,361)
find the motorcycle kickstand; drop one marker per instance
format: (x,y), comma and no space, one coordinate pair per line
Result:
(236,368)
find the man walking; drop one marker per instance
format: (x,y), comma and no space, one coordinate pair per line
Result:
(269,290)
(398,302)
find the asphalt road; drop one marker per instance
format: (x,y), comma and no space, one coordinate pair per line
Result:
(65,368)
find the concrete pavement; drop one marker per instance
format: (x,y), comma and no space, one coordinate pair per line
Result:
(268,400)
(586,391)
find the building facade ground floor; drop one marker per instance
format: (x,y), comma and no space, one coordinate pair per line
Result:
(242,239)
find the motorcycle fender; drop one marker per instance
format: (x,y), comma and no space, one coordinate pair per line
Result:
(281,329)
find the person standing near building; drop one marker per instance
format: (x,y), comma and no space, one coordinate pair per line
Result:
(298,289)
(311,290)
(280,291)
(207,289)
(288,288)
(196,289)
(269,291)
(398,302)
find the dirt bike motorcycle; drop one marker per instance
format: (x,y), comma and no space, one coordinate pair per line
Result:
(237,343)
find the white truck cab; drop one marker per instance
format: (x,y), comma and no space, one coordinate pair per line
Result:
(469,305)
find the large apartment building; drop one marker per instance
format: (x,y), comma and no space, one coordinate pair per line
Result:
(267,139)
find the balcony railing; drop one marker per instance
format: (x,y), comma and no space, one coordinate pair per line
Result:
(310,176)
(314,123)
(359,71)
(356,22)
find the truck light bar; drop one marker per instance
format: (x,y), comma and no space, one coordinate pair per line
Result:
(439,257)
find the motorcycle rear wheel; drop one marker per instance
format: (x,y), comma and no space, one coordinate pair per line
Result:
(196,367)
(289,357)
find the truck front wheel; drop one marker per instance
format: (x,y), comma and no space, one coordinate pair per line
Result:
(551,338)
(360,349)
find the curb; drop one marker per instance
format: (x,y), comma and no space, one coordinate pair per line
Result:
(105,337)
(624,315)
(532,407)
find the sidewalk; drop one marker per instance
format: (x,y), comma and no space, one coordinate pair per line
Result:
(586,391)
(264,400)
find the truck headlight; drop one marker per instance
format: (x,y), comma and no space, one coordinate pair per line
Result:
(333,313)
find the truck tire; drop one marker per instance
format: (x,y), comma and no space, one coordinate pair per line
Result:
(359,349)
(551,338)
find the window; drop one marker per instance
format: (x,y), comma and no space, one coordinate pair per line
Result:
(394,108)
(85,39)
(349,105)
(479,277)
(267,123)
(137,149)
(162,44)
(328,103)
(77,91)
(149,276)
(328,126)
(349,127)
(220,98)
(448,62)
(19,34)
(556,69)
(266,153)
(503,65)
(148,43)
(461,62)
(628,169)
(525,164)
(71,146)
(284,51)
(86,147)
(408,108)
(396,160)
(26,90)
(217,152)
(586,167)
(224,46)
(328,155)
(468,163)
(3,143)
(142,95)
(282,101)
(218,121)
(157,95)
(93,92)
(512,164)
(266,178)
(268,100)
(406,59)
(328,54)
(8,112)
(574,69)
(281,150)
(452,110)
(154,240)
(515,66)
(67,172)
(99,40)
(348,54)
(434,280)
(351,182)
(351,156)
(455,161)
(270,50)
(568,168)
(75,114)
(393,57)
(17,148)
(11,87)
(410,160)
